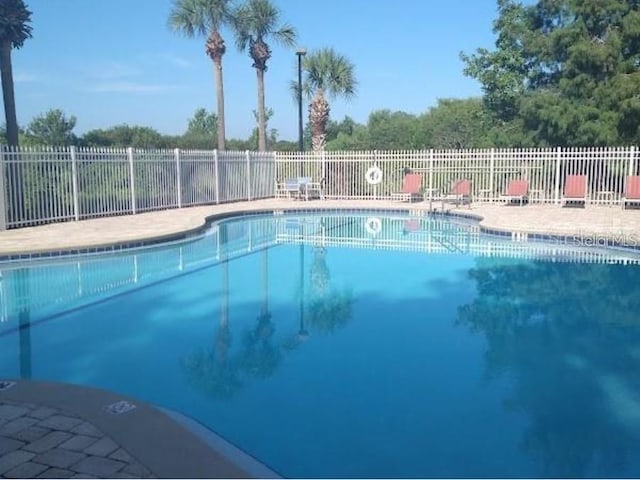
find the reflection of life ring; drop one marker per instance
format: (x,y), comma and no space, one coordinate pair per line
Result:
(373,175)
(373,225)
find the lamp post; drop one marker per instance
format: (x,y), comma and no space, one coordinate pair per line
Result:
(301,52)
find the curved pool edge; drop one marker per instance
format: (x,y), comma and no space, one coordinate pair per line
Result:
(206,218)
(167,443)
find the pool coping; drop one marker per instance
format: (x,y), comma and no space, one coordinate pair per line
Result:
(521,235)
(168,443)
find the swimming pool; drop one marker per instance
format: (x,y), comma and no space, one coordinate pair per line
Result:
(354,345)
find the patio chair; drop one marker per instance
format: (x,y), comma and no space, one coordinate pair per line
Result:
(575,189)
(299,187)
(517,190)
(412,225)
(289,188)
(631,191)
(460,192)
(411,188)
(309,188)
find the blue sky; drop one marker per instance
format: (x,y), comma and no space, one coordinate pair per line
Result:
(116,61)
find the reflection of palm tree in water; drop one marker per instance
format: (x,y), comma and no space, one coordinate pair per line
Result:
(213,370)
(260,357)
(23,300)
(328,308)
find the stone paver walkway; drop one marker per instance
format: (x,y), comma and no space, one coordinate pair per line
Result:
(43,442)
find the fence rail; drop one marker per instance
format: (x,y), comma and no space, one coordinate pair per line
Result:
(46,184)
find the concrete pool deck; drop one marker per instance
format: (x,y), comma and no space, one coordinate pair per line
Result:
(53,430)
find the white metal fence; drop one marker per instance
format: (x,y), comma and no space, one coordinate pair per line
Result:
(488,169)
(43,185)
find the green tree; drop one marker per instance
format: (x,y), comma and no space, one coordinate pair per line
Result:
(253,143)
(201,130)
(256,22)
(15,28)
(327,73)
(570,70)
(52,128)
(455,123)
(206,17)
(125,136)
(346,126)
(392,130)
(357,140)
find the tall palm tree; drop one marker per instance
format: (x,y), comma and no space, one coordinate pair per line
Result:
(255,22)
(326,73)
(14,30)
(206,17)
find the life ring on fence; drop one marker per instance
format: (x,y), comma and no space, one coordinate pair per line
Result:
(373,175)
(373,225)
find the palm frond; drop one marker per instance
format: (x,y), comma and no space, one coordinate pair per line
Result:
(293,89)
(15,21)
(330,71)
(257,20)
(199,17)
(241,22)
(285,36)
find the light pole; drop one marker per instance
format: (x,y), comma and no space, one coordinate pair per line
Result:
(301,52)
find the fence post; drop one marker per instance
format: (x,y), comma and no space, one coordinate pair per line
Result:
(491,171)
(3,192)
(557,186)
(248,153)
(74,183)
(216,172)
(375,186)
(430,172)
(132,184)
(176,155)
(274,179)
(632,160)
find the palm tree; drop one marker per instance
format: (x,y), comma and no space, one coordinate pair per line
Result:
(206,17)
(255,22)
(326,73)
(14,30)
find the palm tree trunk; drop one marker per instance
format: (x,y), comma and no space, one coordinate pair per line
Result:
(265,282)
(7,93)
(220,100)
(262,124)
(318,118)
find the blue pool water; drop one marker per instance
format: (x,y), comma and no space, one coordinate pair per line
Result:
(355,345)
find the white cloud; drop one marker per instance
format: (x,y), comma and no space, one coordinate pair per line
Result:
(130,87)
(176,60)
(24,78)
(114,70)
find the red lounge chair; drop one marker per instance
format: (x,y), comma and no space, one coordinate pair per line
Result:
(460,193)
(411,188)
(631,191)
(575,189)
(517,190)
(412,225)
